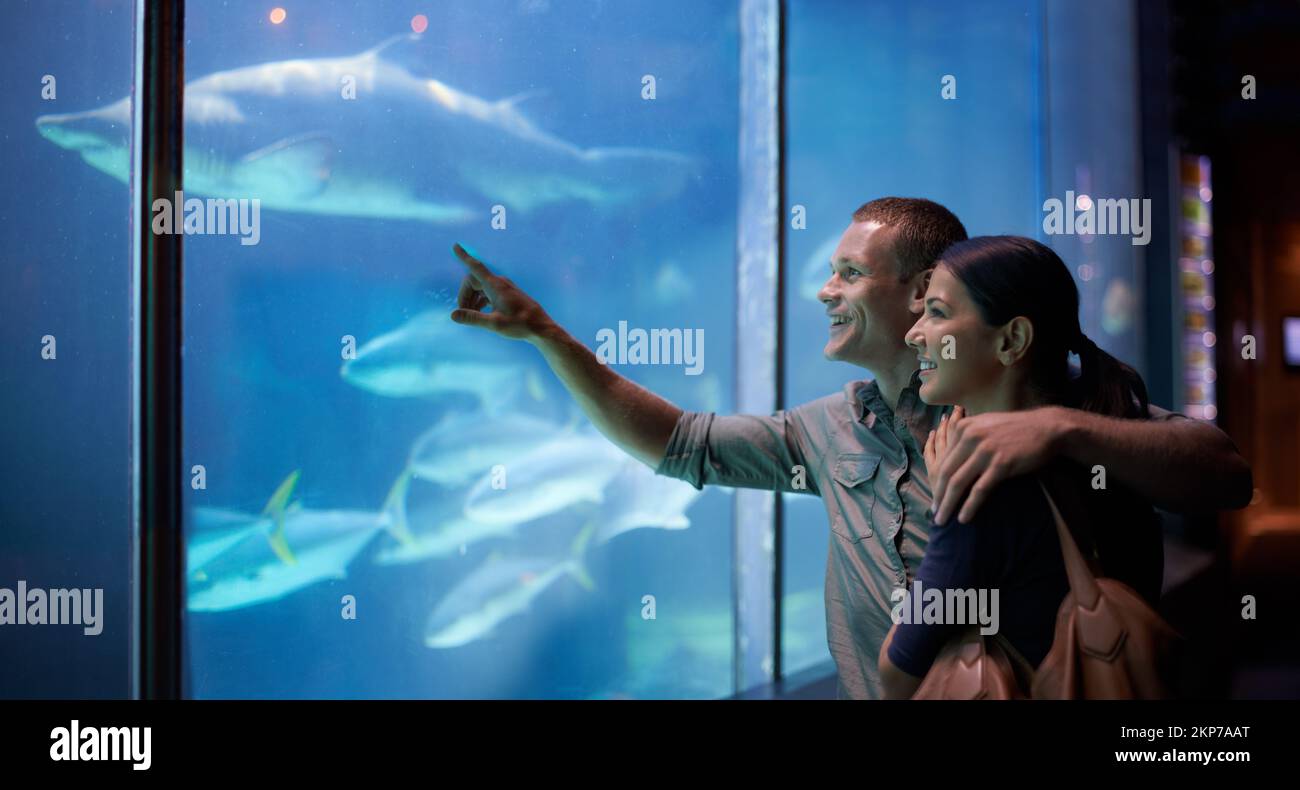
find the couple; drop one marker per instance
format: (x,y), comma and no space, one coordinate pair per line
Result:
(912,492)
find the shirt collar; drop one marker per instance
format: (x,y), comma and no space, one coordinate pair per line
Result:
(865,395)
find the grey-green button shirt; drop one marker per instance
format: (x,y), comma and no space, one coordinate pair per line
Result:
(865,462)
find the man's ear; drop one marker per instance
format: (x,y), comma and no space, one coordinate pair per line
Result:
(1014,340)
(916,295)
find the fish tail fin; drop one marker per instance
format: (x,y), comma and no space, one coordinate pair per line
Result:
(395,507)
(580,575)
(578,569)
(275,509)
(283,493)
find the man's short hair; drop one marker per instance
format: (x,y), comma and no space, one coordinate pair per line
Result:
(925,229)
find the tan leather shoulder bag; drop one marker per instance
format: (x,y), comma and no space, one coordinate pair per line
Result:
(1109,642)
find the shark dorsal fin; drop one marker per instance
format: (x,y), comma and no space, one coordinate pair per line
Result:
(374,51)
(408,51)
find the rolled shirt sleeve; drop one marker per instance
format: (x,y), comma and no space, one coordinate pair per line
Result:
(741,451)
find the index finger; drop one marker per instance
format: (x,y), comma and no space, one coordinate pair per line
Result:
(477,269)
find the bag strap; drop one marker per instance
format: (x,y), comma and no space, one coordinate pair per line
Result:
(1082,575)
(1019,664)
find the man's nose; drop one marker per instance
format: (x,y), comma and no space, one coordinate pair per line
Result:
(827,294)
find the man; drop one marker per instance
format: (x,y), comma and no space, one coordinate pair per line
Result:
(861,450)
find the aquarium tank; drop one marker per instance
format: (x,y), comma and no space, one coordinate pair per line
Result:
(381,503)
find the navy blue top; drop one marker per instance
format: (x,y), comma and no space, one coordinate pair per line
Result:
(1011,545)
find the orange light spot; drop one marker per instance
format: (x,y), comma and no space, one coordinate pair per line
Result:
(277,15)
(419,23)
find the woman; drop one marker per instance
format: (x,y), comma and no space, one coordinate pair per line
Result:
(1000,321)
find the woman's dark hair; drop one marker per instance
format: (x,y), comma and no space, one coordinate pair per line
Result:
(1009,276)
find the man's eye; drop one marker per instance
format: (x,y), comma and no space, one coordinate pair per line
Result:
(934,311)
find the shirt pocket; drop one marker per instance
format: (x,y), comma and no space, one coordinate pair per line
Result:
(855,494)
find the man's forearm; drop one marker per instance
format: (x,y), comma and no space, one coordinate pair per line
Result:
(634,418)
(1177,465)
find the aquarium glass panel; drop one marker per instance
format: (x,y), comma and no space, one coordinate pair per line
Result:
(65,355)
(381,502)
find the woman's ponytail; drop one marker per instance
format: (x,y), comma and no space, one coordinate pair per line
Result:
(1106,385)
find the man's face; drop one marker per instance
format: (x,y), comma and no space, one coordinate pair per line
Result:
(869,307)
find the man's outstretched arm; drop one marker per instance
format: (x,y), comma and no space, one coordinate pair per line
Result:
(632,417)
(1178,464)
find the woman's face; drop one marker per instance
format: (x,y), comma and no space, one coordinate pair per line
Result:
(958,351)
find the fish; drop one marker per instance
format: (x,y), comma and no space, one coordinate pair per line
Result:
(438,528)
(215,530)
(405,147)
(555,476)
(289,547)
(640,498)
(454,452)
(463,445)
(430,355)
(499,589)
(324,544)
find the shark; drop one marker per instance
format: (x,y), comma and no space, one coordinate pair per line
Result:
(403,147)
(429,356)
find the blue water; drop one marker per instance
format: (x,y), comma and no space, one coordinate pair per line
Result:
(262,356)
